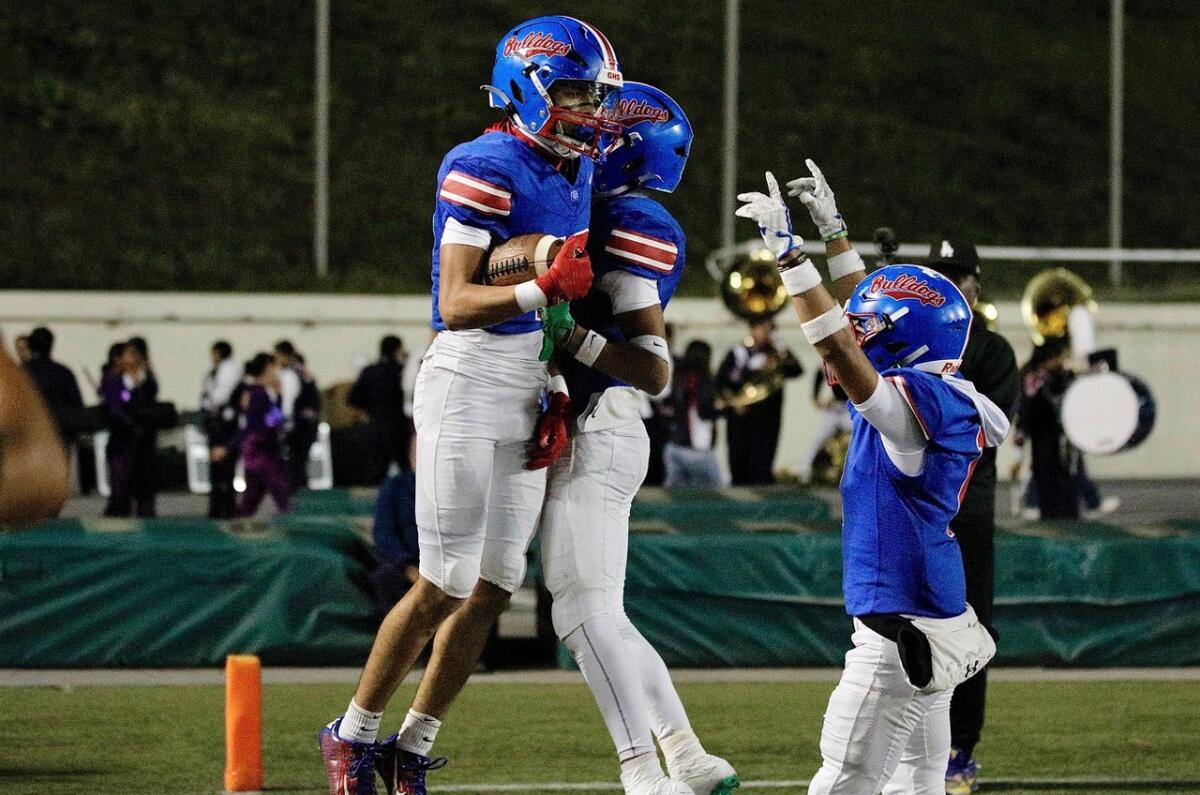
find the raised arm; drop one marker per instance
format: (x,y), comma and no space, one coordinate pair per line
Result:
(824,321)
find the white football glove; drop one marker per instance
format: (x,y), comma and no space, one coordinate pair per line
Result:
(815,194)
(772,216)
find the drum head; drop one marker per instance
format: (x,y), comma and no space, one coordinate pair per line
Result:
(1100,412)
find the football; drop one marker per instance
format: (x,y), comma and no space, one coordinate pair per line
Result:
(521,259)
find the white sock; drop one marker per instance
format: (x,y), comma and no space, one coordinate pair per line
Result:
(358,725)
(641,771)
(418,733)
(680,747)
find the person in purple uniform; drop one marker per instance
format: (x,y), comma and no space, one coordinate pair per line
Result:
(259,442)
(918,431)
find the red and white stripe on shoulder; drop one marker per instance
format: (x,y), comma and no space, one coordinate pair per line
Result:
(653,252)
(467,191)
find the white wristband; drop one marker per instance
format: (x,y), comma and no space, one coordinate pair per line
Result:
(800,278)
(844,264)
(557,384)
(825,325)
(529,296)
(590,349)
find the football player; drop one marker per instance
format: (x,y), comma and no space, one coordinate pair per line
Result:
(612,347)
(477,396)
(918,431)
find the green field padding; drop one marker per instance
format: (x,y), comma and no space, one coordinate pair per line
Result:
(710,583)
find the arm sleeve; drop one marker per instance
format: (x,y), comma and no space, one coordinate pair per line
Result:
(628,291)
(890,413)
(457,232)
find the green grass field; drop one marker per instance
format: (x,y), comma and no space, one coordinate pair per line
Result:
(166,739)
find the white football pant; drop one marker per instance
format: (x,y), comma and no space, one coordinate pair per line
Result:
(877,725)
(475,406)
(585,539)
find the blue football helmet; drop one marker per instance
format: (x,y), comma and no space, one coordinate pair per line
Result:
(535,55)
(654,146)
(910,316)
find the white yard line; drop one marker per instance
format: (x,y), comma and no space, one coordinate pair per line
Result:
(13,677)
(800,784)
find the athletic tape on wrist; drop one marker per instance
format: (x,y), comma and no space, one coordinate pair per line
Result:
(529,296)
(800,278)
(589,349)
(825,324)
(557,384)
(844,264)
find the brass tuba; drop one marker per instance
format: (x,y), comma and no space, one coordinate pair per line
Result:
(752,289)
(1048,300)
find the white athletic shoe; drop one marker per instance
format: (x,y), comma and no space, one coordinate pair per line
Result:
(662,786)
(708,775)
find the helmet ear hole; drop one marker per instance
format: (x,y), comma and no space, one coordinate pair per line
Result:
(634,165)
(895,347)
(515,91)
(681,150)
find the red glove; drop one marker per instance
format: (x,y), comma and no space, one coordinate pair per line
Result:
(570,275)
(550,435)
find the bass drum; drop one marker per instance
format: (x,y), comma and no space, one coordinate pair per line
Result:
(1106,413)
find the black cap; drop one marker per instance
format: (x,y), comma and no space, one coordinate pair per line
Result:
(954,258)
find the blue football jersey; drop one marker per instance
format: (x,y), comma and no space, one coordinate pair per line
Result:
(501,183)
(898,552)
(635,234)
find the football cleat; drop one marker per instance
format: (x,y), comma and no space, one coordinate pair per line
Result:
(708,775)
(403,772)
(961,774)
(350,765)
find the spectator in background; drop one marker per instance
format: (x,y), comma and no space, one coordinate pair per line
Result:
(1055,461)
(395,534)
(379,392)
(56,383)
(131,440)
(259,442)
(833,418)
(689,457)
(219,398)
(146,379)
(21,348)
(752,431)
(33,468)
(655,416)
(301,404)
(989,363)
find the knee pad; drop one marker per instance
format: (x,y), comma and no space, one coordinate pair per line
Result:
(454,578)
(505,568)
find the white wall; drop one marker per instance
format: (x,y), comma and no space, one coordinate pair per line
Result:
(337,334)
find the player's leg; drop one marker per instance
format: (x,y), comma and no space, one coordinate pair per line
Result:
(514,501)
(922,768)
(584,543)
(871,715)
(686,759)
(454,470)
